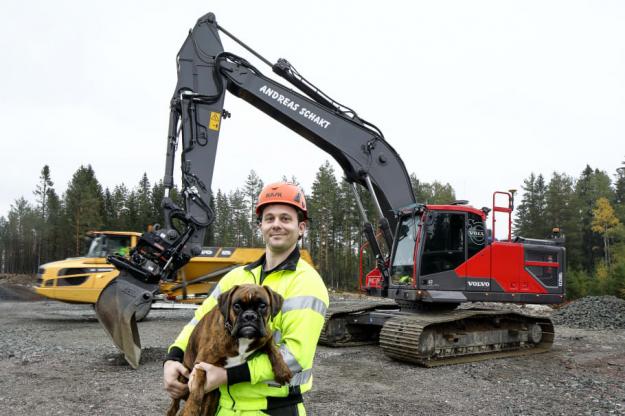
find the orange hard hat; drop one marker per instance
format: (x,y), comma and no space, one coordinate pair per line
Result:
(282,193)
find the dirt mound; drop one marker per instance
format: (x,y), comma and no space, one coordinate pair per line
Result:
(18,293)
(592,312)
(18,287)
(18,279)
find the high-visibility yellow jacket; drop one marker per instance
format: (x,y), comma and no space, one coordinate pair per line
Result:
(296,330)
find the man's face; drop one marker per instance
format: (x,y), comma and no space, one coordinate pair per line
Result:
(280,227)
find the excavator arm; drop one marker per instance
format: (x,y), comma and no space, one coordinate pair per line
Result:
(205,73)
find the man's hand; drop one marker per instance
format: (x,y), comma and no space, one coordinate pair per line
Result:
(171,371)
(215,376)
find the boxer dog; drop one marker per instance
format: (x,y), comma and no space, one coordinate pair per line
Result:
(226,336)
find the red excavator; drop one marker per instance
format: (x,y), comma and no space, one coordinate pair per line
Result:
(430,260)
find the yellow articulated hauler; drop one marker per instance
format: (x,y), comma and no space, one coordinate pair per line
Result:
(81,279)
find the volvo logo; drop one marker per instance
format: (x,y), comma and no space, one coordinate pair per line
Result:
(476,233)
(473,283)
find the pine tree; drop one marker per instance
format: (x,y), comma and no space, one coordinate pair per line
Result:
(84,203)
(592,185)
(539,224)
(561,211)
(131,212)
(322,209)
(223,229)
(156,199)
(239,218)
(293,180)
(42,190)
(22,237)
(118,215)
(418,189)
(434,193)
(523,220)
(619,192)
(145,212)
(109,211)
(349,236)
(442,193)
(251,190)
(559,200)
(57,241)
(530,218)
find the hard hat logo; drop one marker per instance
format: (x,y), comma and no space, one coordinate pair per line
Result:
(282,193)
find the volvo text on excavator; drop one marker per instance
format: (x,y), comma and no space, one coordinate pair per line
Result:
(429,260)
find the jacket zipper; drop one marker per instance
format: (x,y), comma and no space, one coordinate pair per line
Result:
(231,398)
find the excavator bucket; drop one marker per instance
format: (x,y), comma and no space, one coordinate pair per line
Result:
(116,308)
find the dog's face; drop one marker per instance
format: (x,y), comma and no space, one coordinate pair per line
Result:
(248,308)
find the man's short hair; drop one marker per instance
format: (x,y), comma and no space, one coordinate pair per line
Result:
(300,214)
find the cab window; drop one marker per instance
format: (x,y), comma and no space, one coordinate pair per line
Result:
(444,242)
(403,259)
(476,234)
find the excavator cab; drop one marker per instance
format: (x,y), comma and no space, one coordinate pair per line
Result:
(442,256)
(446,254)
(434,241)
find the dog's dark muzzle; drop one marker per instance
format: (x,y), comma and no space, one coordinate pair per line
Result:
(249,325)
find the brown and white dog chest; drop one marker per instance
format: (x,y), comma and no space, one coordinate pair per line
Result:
(244,344)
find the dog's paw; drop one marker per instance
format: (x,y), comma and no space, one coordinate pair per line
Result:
(283,376)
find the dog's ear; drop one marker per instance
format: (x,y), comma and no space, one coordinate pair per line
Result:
(224,302)
(276,301)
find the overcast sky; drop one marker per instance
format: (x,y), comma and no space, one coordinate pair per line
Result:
(475,93)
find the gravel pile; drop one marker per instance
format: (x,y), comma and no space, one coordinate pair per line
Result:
(592,312)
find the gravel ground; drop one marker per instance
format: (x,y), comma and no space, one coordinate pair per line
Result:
(56,360)
(593,312)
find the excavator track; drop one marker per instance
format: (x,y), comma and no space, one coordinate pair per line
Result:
(340,328)
(463,336)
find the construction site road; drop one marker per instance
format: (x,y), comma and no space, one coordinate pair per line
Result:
(55,359)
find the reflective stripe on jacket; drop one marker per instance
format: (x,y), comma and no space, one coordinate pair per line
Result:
(296,331)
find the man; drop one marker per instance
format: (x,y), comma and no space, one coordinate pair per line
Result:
(249,389)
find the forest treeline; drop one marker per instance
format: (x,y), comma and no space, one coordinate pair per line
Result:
(589,210)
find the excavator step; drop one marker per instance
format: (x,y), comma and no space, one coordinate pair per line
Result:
(463,336)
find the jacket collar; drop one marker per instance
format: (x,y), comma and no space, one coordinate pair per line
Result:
(290,263)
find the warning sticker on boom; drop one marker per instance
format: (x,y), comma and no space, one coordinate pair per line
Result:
(215,119)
